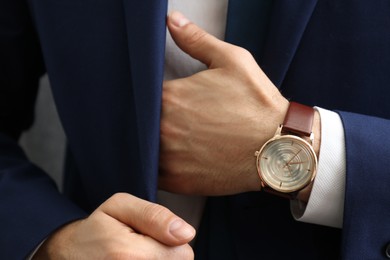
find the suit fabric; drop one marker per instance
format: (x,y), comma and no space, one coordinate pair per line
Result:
(105,63)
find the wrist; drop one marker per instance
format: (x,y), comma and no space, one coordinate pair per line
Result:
(53,247)
(287,163)
(268,124)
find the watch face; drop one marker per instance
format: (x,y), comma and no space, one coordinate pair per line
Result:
(286,163)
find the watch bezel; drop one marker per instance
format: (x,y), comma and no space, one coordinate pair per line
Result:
(276,138)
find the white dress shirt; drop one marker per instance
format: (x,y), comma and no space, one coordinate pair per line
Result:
(326,203)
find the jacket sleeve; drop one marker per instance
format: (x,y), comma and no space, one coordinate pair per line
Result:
(366,229)
(30,205)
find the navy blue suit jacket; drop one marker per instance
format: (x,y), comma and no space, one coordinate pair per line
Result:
(105,63)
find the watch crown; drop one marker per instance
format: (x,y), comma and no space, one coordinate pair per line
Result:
(257,153)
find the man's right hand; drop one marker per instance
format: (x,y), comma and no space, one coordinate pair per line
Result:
(123,227)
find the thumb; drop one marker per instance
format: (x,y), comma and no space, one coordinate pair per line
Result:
(148,219)
(196,42)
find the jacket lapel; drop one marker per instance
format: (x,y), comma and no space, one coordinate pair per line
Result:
(287,25)
(145,25)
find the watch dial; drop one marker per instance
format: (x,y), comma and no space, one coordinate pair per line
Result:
(287,163)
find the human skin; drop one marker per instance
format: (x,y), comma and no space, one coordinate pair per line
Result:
(123,227)
(213,121)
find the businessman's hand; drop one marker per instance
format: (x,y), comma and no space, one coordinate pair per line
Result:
(213,121)
(123,227)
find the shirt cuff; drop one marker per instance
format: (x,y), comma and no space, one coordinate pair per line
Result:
(326,202)
(30,257)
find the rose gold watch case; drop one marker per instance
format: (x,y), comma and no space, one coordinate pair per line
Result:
(292,138)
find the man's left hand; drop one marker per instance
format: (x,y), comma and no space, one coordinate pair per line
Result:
(213,121)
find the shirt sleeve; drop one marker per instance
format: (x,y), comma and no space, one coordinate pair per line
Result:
(326,202)
(30,257)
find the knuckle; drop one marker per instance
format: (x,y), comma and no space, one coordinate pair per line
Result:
(165,129)
(154,214)
(172,94)
(188,253)
(136,248)
(118,198)
(245,52)
(169,134)
(170,86)
(112,201)
(183,252)
(126,255)
(196,37)
(169,97)
(240,55)
(118,255)
(242,52)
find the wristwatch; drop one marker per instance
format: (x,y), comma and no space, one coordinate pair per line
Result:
(287,163)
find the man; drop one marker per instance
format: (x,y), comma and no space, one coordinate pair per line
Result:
(256,220)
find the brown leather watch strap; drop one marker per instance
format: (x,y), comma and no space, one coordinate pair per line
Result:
(299,119)
(290,196)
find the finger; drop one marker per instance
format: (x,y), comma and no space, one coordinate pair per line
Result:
(196,42)
(144,247)
(149,219)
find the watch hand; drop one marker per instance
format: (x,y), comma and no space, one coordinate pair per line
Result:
(288,163)
(295,155)
(296,162)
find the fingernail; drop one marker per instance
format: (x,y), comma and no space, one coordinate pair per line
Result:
(178,19)
(181,230)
